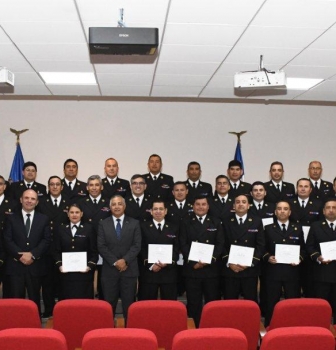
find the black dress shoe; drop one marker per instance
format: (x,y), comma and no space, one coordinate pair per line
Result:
(46,314)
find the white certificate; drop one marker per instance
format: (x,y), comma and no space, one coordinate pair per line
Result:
(287,254)
(201,252)
(160,252)
(241,255)
(328,250)
(74,262)
(267,221)
(305,230)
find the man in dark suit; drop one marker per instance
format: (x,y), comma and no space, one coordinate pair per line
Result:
(333,192)
(179,208)
(201,278)
(279,276)
(158,276)
(112,183)
(27,239)
(321,189)
(29,171)
(73,188)
(324,271)
(138,202)
(119,243)
(304,211)
(259,206)
(242,229)
(55,206)
(7,208)
(159,186)
(195,186)
(235,173)
(276,188)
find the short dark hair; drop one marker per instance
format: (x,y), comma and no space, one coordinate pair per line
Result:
(235,163)
(70,160)
(76,205)
(53,177)
(258,183)
(200,197)
(304,179)
(193,163)
(159,201)
(180,183)
(329,200)
(222,177)
(282,201)
(27,164)
(135,176)
(244,195)
(276,163)
(154,155)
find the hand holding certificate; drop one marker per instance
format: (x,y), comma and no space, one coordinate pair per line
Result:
(328,250)
(162,253)
(287,254)
(74,262)
(201,252)
(240,255)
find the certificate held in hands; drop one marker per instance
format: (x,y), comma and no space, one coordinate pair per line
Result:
(240,255)
(74,262)
(160,252)
(201,252)
(287,254)
(328,250)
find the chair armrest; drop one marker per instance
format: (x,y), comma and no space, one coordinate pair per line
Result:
(191,323)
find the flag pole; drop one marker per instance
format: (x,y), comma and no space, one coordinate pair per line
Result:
(18,161)
(238,153)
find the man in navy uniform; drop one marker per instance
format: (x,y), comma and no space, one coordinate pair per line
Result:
(195,186)
(235,173)
(321,189)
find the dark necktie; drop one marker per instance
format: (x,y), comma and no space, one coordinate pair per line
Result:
(223,201)
(55,203)
(138,201)
(240,221)
(278,187)
(235,186)
(27,224)
(316,187)
(74,230)
(181,207)
(111,182)
(154,178)
(28,186)
(303,204)
(200,219)
(259,206)
(194,184)
(284,228)
(70,183)
(159,227)
(118,229)
(95,201)
(332,226)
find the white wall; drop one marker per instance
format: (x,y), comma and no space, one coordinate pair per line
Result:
(92,131)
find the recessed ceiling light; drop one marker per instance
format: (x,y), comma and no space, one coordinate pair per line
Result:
(68,78)
(301,83)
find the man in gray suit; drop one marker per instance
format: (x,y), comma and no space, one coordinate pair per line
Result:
(119,243)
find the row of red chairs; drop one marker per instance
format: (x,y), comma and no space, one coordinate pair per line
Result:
(74,318)
(299,338)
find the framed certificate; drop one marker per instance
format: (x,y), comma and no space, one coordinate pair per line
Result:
(74,262)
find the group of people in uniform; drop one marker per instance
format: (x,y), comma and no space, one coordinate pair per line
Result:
(115,221)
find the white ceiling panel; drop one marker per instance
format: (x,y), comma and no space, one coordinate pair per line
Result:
(202,44)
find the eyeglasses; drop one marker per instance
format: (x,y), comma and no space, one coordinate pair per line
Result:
(138,183)
(312,168)
(55,184)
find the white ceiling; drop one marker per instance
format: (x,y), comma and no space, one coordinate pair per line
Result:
(203,43)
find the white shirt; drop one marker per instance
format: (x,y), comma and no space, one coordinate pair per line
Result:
(194,182)
(140,199)
(110,179)
(237,184)
(73,231)
(2,197)
(241,217)
(58,199)
(178,203)
(28,183)
(225,197)
(157,176)
(257,203)
(161,222)
(277,183)
(73,182)
(281,223)
(318,182)
(97,198)
(122,217)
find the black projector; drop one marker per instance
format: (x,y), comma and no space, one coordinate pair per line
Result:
(123,41)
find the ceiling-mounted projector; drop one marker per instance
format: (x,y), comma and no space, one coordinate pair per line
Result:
(260,79)
(6,77)
(123,41)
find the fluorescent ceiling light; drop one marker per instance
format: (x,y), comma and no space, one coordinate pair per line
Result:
(68,78)
(301,83)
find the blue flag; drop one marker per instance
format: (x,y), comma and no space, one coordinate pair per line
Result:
(238,156)
(16,171)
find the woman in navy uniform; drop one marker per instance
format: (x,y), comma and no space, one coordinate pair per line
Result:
(76,237)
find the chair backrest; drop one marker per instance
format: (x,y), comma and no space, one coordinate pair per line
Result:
(120,339)
(301,312)
(243,315)
(32,339)
(164,318)
(298,338)
(210,338)
(19,313)
(75,317)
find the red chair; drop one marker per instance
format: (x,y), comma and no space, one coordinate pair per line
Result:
(164,318)
(32,339)
(75,317)
(301,312)
(120,339)
(19,313)
(298,338)
(243,315)
(210,338)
